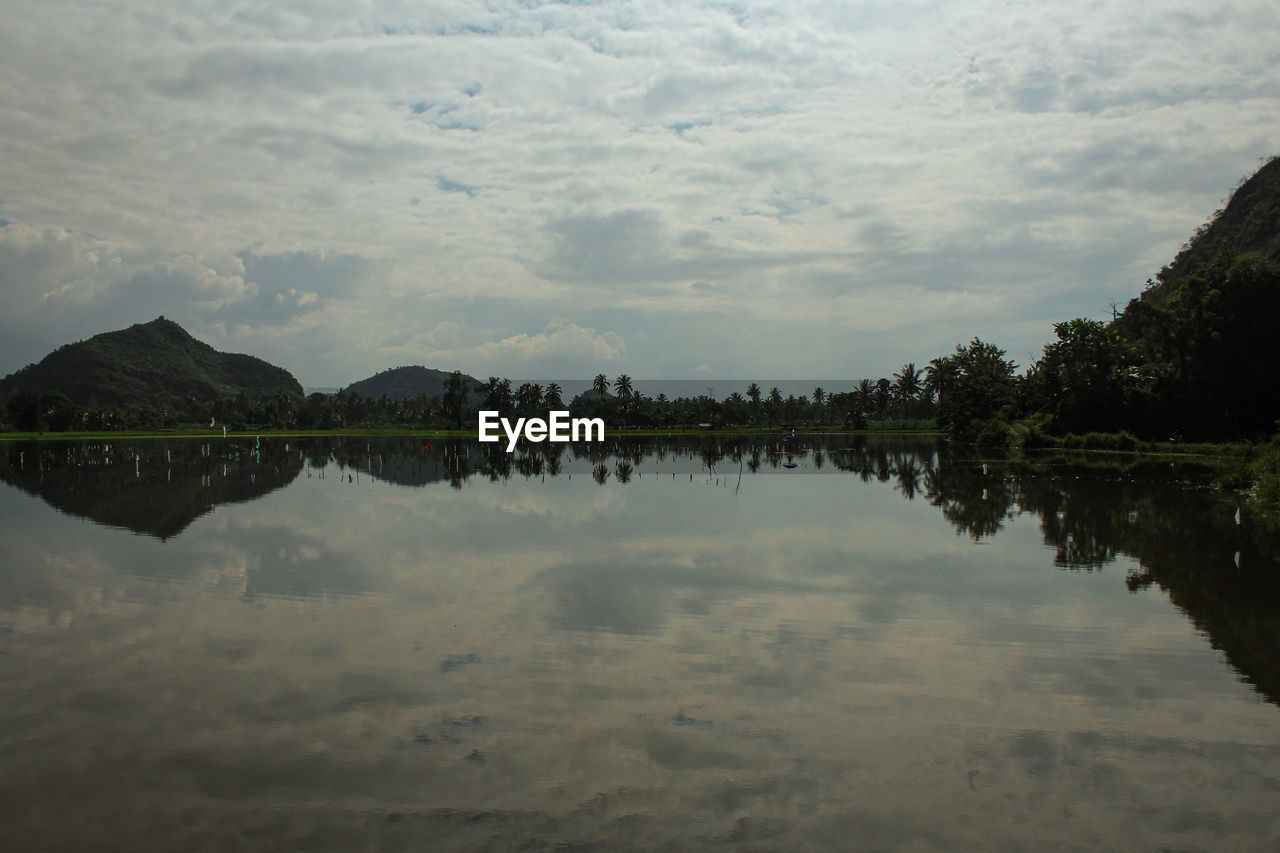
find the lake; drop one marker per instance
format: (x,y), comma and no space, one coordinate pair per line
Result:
(669,643)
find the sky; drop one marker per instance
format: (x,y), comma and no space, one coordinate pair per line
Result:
(668,190)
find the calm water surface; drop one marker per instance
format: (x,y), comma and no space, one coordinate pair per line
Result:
(343,644)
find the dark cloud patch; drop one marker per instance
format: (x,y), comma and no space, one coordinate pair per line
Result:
(680,127)
(156,290)
(316,272)
(634,246)
(252,69)
(624,246)
(882,233)
(18,350)
(445,185)
(636,596)
(781,206)
(349,154)
(668,93)
(292,284)
(454,124)
(1036,93)
(115,289)
(1149,165)
(1101,83)
(63,285)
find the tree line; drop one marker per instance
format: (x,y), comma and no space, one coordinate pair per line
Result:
(1192,357)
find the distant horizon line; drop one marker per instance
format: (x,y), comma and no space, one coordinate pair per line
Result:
(588,381)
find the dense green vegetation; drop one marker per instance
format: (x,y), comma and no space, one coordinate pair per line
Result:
(1190,359)
(402,383)
(145,376)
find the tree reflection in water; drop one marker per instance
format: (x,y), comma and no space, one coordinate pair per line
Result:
(1224,575)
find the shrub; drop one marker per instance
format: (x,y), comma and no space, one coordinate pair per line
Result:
(992,433)
(1265,473)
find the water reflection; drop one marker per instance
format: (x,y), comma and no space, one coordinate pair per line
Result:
(646,644)
(1186,541)
(153,487)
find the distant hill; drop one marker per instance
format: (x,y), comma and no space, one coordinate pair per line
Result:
(401,383)
(1248,225)
(154,365)
(1200,341)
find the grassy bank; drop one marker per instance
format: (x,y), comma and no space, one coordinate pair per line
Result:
(402,432)
(122,435)
(1029,438)
(1251,470)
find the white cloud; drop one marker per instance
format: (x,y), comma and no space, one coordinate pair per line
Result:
(549,352)
(675,176)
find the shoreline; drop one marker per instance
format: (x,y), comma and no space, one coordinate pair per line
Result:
(1091,443)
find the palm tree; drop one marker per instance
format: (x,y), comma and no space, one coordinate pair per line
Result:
(866,396)
(600,385)
(528,398)
(493,393)
(455,396)
(939,375)
(552,396)
(662,409)
(753,394)
(906,386)
(735,406)
(883,389)
(623,386)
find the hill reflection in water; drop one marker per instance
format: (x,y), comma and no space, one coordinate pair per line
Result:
(153,487)
(642,644)
(1091,509)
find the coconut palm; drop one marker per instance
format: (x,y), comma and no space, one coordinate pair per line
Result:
(940,375)
(623,386)
(906,384)
(492,391)
(552,396)
(600,385)
(865,396)
(528,398)
(884,389)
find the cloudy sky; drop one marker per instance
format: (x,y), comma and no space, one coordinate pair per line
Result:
(682,190)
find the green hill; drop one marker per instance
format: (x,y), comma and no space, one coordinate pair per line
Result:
(149,366)
(1248,226)
(401,383)
(1194,355)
